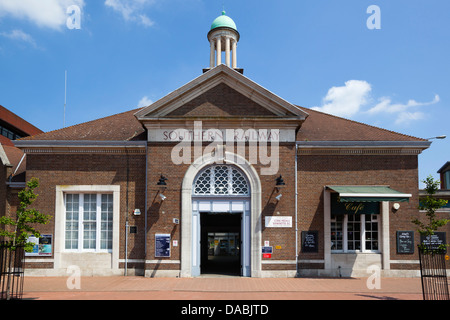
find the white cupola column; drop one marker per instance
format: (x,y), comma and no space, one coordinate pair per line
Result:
(234,66)
(212,54)
(227,51)
(219,51)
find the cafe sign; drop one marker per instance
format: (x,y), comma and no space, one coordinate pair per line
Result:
(339,208)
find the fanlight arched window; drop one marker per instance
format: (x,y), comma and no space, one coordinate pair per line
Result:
(221,180)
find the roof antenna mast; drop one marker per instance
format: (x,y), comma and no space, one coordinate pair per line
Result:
(65,99)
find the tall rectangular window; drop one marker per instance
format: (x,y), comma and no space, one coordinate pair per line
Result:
(89,222)
(354,232)
(106,222)
(337,232)
(72,220)
(371,232)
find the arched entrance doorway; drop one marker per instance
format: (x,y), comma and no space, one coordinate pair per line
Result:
(223,200)
(221,215)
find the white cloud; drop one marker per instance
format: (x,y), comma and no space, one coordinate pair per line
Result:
(403,112)
(146,21)
(347,100)
(20,36)
(386,105)
(44,13)
(132,10)
(144,102)
(407,117)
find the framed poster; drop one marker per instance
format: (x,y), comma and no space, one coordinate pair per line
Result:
(162,245)
(267,252)
(267,249)
(42,247)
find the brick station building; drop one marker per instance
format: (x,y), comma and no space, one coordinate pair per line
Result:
(222,176)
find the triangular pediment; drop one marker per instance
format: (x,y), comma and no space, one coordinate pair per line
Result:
(221,92)
(221,101)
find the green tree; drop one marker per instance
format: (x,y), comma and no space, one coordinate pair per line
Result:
(23,225)
(430,204)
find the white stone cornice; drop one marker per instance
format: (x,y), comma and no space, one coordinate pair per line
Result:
(361,147)
(77,147)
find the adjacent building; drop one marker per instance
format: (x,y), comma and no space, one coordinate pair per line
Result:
(444,191)
(12,159)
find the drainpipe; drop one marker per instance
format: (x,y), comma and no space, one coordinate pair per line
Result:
(296,222)
(146,199)
(126,221)
(126,247)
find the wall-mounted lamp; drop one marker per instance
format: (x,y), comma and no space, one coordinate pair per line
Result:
(396,206)
(279,183)
(162,181)
(162,186)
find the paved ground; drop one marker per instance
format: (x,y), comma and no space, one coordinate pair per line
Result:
(219,297)
(219,288)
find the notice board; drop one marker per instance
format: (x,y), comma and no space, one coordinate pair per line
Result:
(162,245)
(434,241)
(42,247)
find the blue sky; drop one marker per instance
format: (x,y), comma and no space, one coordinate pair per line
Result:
(318,54)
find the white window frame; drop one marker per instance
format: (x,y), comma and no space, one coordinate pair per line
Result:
(212,182)
(61,255)
(373,217)
(81,222)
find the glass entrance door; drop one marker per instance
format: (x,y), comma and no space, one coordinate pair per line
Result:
(221,243)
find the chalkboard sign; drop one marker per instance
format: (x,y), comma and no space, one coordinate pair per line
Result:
(405,242)
(434,241)
(162,245)
(310,241)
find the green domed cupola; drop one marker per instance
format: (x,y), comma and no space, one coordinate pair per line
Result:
(223,21)
(223,37)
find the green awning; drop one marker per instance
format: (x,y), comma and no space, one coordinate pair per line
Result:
(369,194)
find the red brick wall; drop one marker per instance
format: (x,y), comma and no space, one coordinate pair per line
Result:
(94,169)
(398,172)
(314,172)
(221,101)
